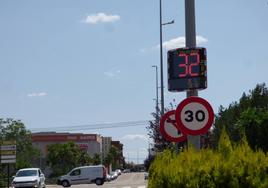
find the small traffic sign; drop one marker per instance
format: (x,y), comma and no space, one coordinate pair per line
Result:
(169,128)
(7,161)
(8,148)
(194,116)
(8,142)
(8,152)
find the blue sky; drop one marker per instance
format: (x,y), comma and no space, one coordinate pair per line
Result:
(68,63)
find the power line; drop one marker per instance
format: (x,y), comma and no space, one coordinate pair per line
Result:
(93,126)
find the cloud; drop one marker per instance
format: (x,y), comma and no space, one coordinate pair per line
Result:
(179,42)
(135,137)
(100,18)
(41,94)
(112,73)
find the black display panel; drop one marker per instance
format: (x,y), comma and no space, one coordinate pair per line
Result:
(187,69)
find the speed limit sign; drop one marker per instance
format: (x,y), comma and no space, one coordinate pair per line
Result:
(194,116)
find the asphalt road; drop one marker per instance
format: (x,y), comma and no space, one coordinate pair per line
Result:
(126,180)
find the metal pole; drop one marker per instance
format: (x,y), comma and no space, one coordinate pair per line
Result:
(8,175)
(191,42)
(161,61)
(156,79)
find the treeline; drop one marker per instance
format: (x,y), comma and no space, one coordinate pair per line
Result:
(248,116)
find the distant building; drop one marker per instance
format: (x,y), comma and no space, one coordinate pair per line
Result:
(91,143)
(106,145)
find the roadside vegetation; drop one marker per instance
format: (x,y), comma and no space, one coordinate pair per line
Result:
(235,154)
(228,166)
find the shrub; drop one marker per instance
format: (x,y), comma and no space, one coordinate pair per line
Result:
(228,166)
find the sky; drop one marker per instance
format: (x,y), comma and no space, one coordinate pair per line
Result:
(81,64)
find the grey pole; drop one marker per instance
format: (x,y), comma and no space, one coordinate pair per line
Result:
(191,42)
(156,79)
(161,60)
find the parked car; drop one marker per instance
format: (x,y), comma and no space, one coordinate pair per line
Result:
(108,177)
(118,171)
(126,171)
(29,177)
(146,175)
(113,175)
(84,175)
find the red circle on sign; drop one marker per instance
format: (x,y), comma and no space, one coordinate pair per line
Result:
(168,137)
(184,129)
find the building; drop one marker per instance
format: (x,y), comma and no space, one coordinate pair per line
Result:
(120,159)
(91,143)
(106,145)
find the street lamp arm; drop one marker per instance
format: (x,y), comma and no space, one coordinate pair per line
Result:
(167,23)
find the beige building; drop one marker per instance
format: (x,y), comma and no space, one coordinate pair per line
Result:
(106,145)
(91,143)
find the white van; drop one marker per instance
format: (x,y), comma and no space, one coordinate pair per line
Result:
(84,175)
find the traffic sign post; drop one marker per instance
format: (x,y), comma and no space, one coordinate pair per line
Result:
(169,128)
(194,116)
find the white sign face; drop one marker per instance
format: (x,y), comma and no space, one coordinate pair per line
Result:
(194,116)
(8,156)
(8,161)
(8,147)
(169,128)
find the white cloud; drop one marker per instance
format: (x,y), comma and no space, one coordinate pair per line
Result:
(179,42)
(41,94)
(100,18)
(112,73)
(135,137)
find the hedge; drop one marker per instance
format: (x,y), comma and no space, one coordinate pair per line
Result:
(228,166)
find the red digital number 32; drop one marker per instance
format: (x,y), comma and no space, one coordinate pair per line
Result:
(188,66)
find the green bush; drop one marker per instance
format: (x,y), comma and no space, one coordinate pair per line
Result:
(228,166)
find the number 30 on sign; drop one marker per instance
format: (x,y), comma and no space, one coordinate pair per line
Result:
(194,116)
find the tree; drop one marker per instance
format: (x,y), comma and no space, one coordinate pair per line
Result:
(112,157)
(96,159)
(159,143)
(64,157)
(247,117)
(15,130)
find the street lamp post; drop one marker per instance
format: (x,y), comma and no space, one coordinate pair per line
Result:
(161,57)
(156,79)
(161,61)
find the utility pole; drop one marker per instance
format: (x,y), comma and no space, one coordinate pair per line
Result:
(190,37)
(161,61)
(162,110)
(156,80)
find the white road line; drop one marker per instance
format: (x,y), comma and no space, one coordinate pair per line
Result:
(143,186)
(126,187)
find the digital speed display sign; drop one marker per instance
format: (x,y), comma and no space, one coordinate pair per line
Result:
(187,69)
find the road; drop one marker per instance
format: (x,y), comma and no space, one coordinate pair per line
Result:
(126,180)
